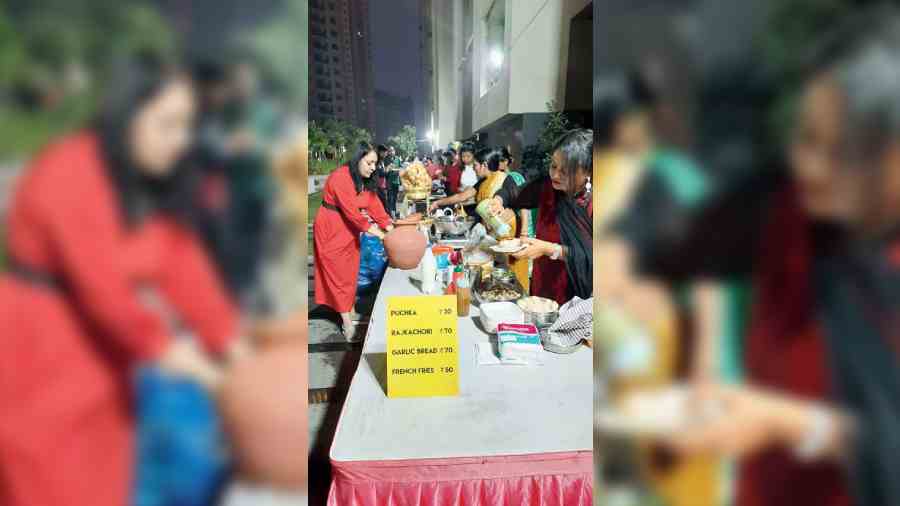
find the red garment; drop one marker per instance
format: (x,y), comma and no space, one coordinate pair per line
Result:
(453,174)
(785,350)
(66,428)
(336,238)
(548,277)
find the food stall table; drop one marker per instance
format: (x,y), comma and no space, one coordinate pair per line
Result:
(514,435)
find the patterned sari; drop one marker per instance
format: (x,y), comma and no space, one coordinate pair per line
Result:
(488,188)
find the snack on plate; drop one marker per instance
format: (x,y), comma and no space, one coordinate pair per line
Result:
(538,305)
(519,344)
(510,243)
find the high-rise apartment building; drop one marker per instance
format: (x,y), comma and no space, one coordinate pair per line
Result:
(340,77)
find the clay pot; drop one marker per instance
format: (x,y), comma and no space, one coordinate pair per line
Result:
(412,219)
(264,408)
(405,246)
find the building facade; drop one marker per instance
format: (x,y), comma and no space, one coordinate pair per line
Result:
(424,120)
(497,64)
(340,78)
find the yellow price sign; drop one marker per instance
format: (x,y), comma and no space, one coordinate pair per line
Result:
(422,346)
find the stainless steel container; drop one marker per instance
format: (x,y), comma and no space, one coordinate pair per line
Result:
(456,226)
(541,320)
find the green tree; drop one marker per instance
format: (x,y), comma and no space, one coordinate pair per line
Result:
(405,141)
(282,43)
(93,32)
(556,125)
(12,51)
(318,141)
(357,136)
(536,157)
(336,133)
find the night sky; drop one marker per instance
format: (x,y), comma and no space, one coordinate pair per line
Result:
(394,25)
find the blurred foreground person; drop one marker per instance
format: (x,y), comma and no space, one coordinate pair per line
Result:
(252,125)
(100,251)
(820,423)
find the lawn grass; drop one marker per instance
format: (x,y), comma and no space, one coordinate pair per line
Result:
(321,167)
(22,133)
(315,202)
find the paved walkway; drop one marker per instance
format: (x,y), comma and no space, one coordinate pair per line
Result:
(332,362)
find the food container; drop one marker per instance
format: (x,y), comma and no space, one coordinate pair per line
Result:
(405,247)
(540,311)
(494,313)
(559,349)
(503,276)
(453,225)
(499,286)
(266,432)
(541,320)
(495,222)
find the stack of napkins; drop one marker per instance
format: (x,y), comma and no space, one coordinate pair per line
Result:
(519,344)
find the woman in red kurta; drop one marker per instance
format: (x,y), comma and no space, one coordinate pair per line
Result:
(89,233)
(350,207)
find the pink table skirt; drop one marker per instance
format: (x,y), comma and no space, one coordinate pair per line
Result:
(558,479)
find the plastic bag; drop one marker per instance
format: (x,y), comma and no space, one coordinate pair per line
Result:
(373,262)
(182,458)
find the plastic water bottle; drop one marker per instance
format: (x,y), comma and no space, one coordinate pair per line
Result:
(429,272)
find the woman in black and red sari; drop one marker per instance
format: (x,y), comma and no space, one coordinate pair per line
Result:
(819,422)
(562,246)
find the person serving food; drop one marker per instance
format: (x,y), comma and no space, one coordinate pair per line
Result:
(564,231)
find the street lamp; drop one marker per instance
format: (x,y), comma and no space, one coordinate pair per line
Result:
(496,57)
(430,137)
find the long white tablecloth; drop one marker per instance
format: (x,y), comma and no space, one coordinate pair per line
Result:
(500,411)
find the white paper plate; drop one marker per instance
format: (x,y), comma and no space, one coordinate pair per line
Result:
(501,249)
(656,412)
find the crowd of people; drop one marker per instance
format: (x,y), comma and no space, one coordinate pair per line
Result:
(549,210)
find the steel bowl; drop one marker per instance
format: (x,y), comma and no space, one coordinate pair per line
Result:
(541,320)
(453,225)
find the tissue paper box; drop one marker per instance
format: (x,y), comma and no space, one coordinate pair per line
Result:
(519,344)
